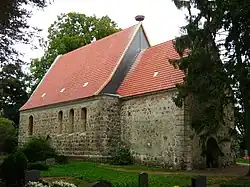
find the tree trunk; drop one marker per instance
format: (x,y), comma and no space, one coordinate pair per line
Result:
(246,105)
(247,123)
(242,74)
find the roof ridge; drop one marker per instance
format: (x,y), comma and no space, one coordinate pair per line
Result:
(97,41)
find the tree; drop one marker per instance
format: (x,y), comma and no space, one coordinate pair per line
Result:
(236,21)
(206,82)
(13,91)
(216,18)
(240,123)
(13,168)
(8,140)
(69,32)
(14,26)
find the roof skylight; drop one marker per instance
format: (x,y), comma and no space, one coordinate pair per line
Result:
(155,74)
(85,84)
(62,90)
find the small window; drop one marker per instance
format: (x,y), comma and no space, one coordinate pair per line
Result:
(31,125)
(60,118)
(71,121)
(83,119)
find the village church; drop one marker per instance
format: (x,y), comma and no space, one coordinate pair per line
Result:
(118,89)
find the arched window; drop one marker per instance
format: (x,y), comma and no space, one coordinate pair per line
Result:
(60,118)
(31,125)
(71,121)
(83,119)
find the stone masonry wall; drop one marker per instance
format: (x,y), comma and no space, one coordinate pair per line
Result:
(102,127)
(157,131)
(193,142)
(153,127)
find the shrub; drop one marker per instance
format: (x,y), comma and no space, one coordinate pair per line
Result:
(11,144)
(61,159)
(38,149)
(38,166)
(121,155)
(8,140)
(13,168)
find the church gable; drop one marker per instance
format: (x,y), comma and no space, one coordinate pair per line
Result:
(139,43)
(83,72)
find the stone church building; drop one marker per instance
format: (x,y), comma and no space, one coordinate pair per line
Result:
(118,89)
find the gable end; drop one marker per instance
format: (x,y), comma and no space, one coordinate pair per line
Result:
(139,43)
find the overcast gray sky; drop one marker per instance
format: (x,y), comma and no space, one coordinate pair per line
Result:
(162,19)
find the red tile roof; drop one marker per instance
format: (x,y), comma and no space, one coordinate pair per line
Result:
(153,61)
(92,65)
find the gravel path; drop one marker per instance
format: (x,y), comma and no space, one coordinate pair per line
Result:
(236,170)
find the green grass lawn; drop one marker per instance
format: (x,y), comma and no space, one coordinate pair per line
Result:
(83,173)
(94,171)
(240,182)
(138,167)
(241,160)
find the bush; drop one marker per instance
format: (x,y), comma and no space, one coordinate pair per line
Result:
(38,149)
(11,144)
(13,168)
(8,140)
(121,155)
(61,159)
(38,166)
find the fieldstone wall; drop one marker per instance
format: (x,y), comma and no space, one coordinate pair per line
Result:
(153,127)
(193,142)
(93,141)
(157,131)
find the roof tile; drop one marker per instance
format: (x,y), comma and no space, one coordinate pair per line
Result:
(141,77)
(93,63)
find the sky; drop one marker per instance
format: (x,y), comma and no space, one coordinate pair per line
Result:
(162,19)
